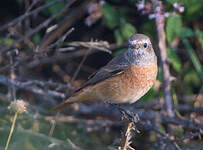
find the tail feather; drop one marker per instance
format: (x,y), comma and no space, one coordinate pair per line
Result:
(77,97)
(68,102)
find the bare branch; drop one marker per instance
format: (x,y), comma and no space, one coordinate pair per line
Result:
(160,22)
(27,14)
(34,89)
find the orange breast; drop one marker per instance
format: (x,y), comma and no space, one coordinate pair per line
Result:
(128,86)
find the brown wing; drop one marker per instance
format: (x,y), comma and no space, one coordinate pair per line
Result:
(116,66)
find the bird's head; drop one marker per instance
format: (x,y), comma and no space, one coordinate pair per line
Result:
(140,49)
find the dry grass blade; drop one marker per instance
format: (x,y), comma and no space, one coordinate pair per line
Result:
(127,137)
(98,45)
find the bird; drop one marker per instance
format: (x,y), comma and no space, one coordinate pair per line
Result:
(125,79)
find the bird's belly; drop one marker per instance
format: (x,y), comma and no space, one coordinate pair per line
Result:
(128,86)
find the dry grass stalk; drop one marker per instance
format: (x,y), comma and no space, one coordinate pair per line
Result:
(127,137)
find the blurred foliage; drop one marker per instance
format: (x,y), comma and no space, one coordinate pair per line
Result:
(199,35)
(193,9)
(186,32)
(36,38)
(54,8)
(110,16)
(116,21)
(194,58)
(171,31)
(34,135)
(174,60)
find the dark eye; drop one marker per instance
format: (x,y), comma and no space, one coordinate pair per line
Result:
(145,45)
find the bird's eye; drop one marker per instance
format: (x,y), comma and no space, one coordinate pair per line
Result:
(145,45)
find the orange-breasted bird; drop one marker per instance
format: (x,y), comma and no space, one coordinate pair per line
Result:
(126,78)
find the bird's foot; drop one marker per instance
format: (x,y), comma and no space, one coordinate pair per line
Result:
(126,115)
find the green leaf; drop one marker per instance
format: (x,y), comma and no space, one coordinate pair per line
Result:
(179,132)
(118,37)
(193,9)
(191,77)
(127,30)
(148,28)
(36,38)
(54,8)
(149,96)
(186,32)
(6,42)
(160,74)
(118,51)
(119,40)
(199,35)
(9,41)
(110,16)
(162,129)
(194,58)
(173,27)
(174,59)
(172,1)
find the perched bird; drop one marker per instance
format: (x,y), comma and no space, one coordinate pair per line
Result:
(126,78)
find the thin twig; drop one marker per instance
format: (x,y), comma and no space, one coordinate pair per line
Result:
(22,17)
(61,40)
(67,22)
(34,89)
(80,65)
(98,45)
(38,28)
(12,75)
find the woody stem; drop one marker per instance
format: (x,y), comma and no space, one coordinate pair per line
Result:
(160,21)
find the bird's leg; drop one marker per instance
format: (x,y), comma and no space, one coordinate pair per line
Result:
(130,119)
(126,114)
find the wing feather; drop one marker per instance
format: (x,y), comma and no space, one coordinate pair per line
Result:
(116,66)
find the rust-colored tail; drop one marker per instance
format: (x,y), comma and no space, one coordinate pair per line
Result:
(79,96)
(68,102)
